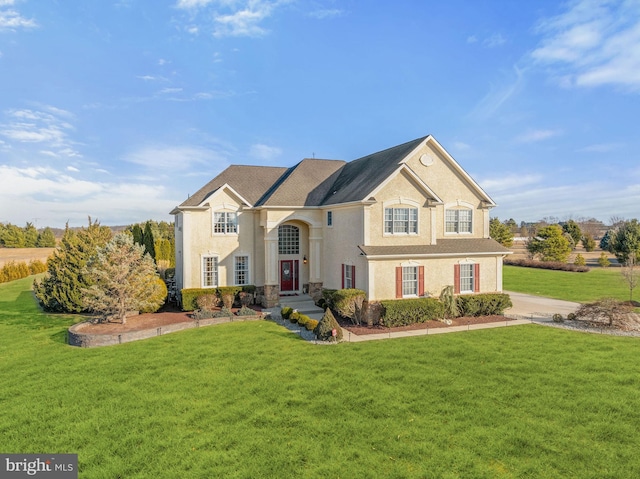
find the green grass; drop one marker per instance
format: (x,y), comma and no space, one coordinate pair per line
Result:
(250,400)
(579,287)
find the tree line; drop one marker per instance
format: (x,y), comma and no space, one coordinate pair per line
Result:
(12,236)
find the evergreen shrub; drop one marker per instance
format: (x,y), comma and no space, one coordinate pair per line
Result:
(245,311)
(348,303)
(223,313)
(294,316)
(36,266)
(579,260)
(208,302)
(190,297)
(553,265)
(488,304)
(303,319)
(286,312)
(311,324)
(324,329)
(402,312)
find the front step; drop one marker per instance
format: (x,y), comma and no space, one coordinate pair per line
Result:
(304,304)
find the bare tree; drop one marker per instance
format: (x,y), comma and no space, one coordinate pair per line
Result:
(631,273)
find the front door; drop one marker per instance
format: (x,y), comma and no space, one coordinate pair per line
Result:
(289,275)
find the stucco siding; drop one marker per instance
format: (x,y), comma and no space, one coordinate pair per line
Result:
(340,245)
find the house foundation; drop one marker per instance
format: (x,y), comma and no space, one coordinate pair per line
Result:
(271,296)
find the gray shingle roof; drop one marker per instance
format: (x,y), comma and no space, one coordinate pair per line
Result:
(251,182)
(447,246)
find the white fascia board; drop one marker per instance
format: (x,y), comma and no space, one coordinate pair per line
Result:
(436,255)
(404,167)
(228,188)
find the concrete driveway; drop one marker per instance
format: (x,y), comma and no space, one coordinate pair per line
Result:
(531,306)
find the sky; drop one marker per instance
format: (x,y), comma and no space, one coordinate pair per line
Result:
(121,109)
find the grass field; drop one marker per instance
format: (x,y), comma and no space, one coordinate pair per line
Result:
(580,287)
(250,400)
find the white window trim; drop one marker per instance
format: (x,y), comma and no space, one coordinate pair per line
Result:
(347,267)
(468,263)
(415,265)
(225,208)
(202,270)
(393,208)
(459,205)
(248,271)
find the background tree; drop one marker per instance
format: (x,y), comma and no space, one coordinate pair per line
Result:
(603,260)
(572,229)
(123,278)
(605,240)
(588,242)
(625,241)
(12,236)
(46,239)
(550,244)
(136,231)
(30,235)
(148,241)
(500,232)
(61,289)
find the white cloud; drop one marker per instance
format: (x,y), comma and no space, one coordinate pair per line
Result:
(499,95)
(193,3)
(170,90)
(11,20)
(472,39)
(173,158)
(593,43)
(531,136)
(264,152)
(510,182)
(57,198)
(495,40)
(461,146)
(72,169)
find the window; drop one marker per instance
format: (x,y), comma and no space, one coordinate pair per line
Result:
(400,220)
(329,218)
(348,276)
(458,221)
(242,270)
(225,222)
(466,278)
(209,271)
(409,281)
(288,239)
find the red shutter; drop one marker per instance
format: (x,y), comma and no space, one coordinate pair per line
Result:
(342,272)
(353,276)
(476,278)
(456,278)
(420,281)
(399,282)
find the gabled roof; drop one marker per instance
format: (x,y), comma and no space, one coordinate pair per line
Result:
(306,184)
(444,247)
(314,182)
(360,177)
(251,182)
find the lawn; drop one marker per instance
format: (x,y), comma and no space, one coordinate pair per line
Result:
(579,287)
(250,400)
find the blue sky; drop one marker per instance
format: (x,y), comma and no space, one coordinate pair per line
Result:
(121,109)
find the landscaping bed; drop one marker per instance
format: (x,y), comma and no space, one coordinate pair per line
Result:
(463,321)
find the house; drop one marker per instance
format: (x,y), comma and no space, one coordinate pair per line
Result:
(400,223)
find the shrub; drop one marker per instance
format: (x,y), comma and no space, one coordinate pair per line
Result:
(249,288)
(245,311)
(488,304)
(169,273)
(348,303)
(449,303)
(325,327)
(203,314)
(208,302)
(603,260)
(286,312)
(223,313)
(14,270)
(579,261)
(311,324)
(401,312)
(228,295)
(588,242)
(245,298)
(557,318)
(554,265)
(158,298)
(36,266)
(190,297)
(571,317)
(609,309)
(293,317)
(327,295)
(303,319)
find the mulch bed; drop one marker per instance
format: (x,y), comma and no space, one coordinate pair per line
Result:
(166,315)
(464,321)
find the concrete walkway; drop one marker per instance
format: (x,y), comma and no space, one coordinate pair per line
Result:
(526,310)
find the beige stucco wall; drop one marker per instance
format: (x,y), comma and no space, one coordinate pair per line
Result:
(438,273)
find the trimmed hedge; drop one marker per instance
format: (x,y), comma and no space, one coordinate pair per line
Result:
(402,312)
(348,303)
(488,304)
(286,312)
(14,270)
(190,295)
(554,265)
(311,324)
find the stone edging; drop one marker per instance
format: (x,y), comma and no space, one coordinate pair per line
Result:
(89,340)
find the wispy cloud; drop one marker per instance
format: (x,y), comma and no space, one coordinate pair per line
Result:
(263,152)
(601,148)
(175,158)
(322,14)
(48,126)
(499,94)
(531,136)
(11,19)
(491,41)
(231,18)
(592,43)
